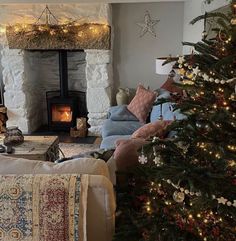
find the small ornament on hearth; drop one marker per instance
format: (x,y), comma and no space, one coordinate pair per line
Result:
(178,196)
(81,128)
(13,136)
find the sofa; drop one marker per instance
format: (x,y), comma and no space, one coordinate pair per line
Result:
(100,196)
(121,123)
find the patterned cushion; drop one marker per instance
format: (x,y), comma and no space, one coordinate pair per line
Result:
(157,128)
(42,207)
(142,102)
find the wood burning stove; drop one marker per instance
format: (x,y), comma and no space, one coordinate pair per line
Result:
(64,106)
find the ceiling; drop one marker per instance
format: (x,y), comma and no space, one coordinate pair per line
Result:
(83,1)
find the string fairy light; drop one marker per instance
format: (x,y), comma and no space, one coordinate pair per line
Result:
(221,200)
(40,33)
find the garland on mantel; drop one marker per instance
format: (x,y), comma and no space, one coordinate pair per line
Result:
(52,35)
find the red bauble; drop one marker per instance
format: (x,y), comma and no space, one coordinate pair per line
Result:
(216,232)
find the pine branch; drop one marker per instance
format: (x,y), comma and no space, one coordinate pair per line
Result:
(211,15)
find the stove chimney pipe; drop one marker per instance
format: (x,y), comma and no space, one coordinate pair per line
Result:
(63,72)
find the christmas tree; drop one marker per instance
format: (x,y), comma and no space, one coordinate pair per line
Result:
(185,188)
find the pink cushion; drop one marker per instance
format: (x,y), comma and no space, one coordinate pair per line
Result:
(126,153)
(169,85)
(157,128)
(142,102)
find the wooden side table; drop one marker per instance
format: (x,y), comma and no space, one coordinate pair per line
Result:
(43,148)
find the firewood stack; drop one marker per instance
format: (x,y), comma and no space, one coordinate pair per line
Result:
(3,119)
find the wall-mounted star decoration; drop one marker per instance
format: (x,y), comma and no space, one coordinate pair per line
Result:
(148,25)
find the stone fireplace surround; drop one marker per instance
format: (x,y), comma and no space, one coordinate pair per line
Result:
(28,75)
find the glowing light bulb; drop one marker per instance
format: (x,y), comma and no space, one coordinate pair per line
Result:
(80,34)
(2,30)
(217,155)
(40,28)
(148,209)
(16,29)
(52,32)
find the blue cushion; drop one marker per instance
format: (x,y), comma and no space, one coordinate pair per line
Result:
(121,113)
(109,142)
(111,128)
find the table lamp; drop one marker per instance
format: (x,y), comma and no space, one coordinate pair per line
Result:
(165,69)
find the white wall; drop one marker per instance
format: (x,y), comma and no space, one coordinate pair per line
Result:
(192,9)
(134,57)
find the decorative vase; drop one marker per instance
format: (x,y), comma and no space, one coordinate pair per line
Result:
(122,96)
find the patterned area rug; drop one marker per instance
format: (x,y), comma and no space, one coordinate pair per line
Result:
(72,149)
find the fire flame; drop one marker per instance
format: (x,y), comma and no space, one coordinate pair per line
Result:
(61,113)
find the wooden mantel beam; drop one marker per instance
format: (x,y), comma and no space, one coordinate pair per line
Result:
(80,1)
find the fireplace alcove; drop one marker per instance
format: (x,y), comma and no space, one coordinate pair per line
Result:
(62,100)
(26,84)
(64,106)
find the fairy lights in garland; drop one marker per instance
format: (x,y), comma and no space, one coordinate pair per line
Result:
(179,195)
(50,34)
(181,192)
(193,72)
(203,220)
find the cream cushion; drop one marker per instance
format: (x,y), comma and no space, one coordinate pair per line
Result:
(12,165)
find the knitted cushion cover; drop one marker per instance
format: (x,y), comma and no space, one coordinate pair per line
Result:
(141,104)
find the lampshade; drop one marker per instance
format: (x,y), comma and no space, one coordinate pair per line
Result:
(163,69)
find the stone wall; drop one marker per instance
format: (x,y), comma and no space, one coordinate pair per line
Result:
(99,88)
(28,75)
